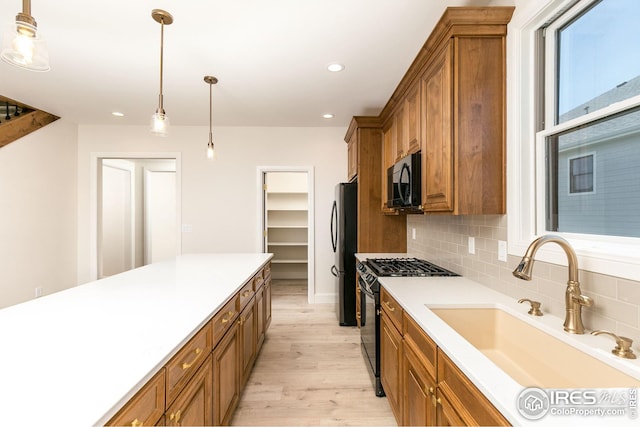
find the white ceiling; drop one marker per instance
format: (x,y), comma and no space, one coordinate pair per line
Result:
(270,57)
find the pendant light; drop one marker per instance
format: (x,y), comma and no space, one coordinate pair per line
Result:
(23,46)
(159,119)
(210,80)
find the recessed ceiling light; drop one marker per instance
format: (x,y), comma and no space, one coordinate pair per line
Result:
(328,116)
(117,114)
(335,67)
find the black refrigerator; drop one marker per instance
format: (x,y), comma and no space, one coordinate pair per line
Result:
(344,240)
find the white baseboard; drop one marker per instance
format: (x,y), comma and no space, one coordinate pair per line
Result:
(325,298)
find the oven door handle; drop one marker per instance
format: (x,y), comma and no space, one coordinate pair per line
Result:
(364,288)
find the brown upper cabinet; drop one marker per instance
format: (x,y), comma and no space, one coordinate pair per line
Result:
(406,118)
(451,105)
(352,155)
(377,232)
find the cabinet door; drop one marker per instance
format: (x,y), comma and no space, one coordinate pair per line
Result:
(193,405)
(400,133)
(259,315)
(267,304)
(445,414)
(352,155)
(412,119)
(388,159)
(226,377)
(390,364)
(419,392)
(247,324)
(437,127)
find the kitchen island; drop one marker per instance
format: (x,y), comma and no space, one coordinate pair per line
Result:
(77,356)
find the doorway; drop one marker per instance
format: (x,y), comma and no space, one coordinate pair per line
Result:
(287,225)
(137,222)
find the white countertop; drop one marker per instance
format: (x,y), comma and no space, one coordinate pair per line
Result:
(413,293)
(75,357)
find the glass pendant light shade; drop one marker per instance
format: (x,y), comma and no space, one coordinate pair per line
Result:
(160,123)
(22,45)
(210,153)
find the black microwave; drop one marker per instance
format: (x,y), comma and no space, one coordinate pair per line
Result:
(404,183)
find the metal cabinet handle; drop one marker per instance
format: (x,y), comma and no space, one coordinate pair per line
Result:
(188,365)
(623,345)
(388,304)
(246,293)
(136,423)
(176,416)
(227,317)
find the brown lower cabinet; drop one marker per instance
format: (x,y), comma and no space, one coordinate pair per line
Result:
(194,405)
(423,386)
(226,379)
(201,384)
(248,340)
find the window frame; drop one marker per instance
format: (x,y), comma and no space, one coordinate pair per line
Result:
(526,145)
(570,175)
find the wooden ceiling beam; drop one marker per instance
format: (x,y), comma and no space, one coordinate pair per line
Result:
(23,125)
(29,120)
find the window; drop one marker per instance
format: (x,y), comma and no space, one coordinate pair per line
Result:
(581,174)
(589,77)
(573,145)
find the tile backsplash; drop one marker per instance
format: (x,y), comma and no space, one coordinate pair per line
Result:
(444,241)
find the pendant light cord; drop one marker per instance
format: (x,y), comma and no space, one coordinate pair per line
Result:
(161,63)
(210,112)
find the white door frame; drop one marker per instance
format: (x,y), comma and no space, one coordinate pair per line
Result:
(93,198)
(262,170)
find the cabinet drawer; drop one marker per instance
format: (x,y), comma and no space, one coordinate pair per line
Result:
(146,407)
(267,271)
(258,280)
(391,307)
(471,405)
(184,364)
(423,346)
(245,294)
(224,318)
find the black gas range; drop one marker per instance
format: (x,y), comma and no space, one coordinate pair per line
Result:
(368,272)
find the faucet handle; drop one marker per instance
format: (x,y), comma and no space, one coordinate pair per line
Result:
(535,306)
(623,344)
(583,300)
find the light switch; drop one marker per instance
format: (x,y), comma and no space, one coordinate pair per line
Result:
(413,233)
(187,228)
(472,245)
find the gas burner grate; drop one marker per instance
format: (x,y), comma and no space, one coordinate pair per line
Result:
(406,267)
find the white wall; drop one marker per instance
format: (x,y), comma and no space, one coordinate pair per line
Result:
(38,213)
(219,198)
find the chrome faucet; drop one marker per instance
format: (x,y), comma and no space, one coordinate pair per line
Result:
(573,298)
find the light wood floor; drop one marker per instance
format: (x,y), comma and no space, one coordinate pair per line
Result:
(310,371)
